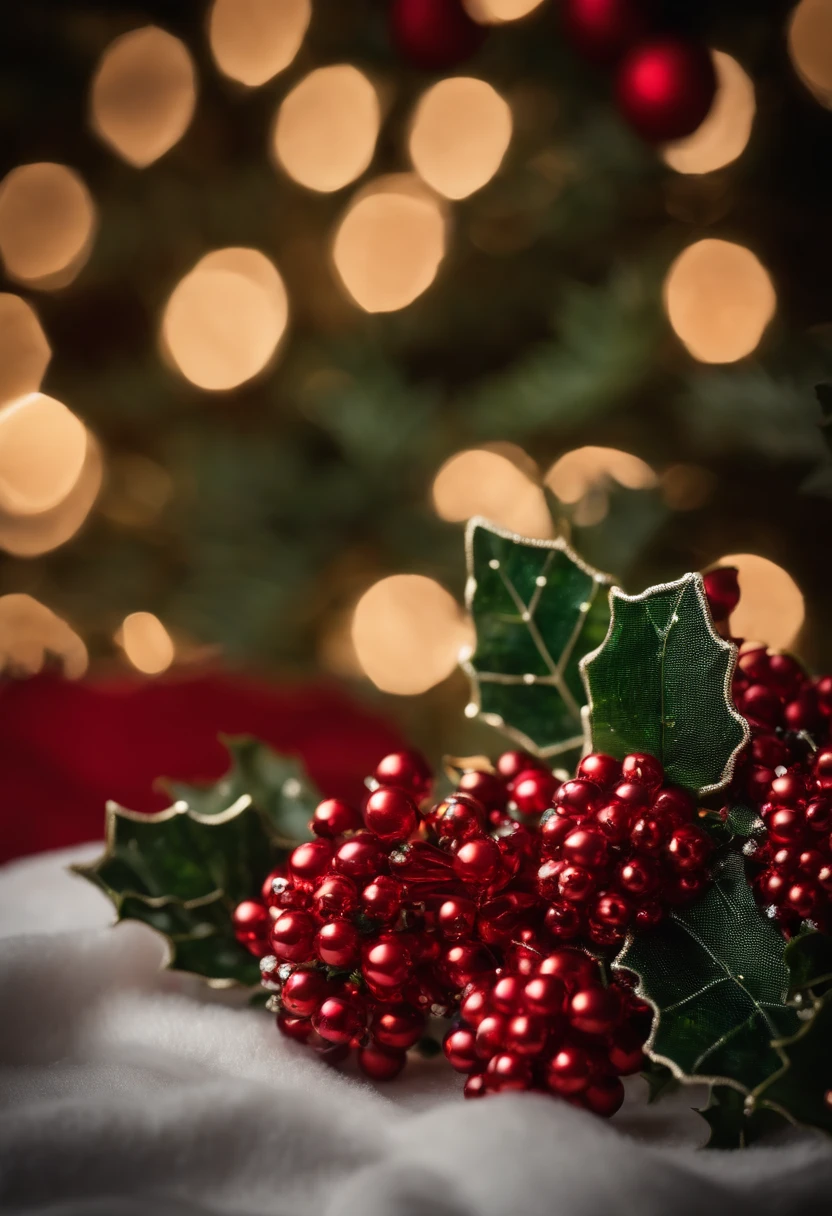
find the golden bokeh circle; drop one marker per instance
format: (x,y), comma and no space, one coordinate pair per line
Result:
(143,94)
(326,128)
(479,481)
(47,223)
(810,47)
(407,631)
(771,607)
(719,299)
(389,244)
(24,350)
(43,449)
(253,40)
(723,135)
(460,132)
(146,643)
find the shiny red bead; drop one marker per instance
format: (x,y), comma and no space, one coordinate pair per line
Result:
(299,1029)
(460,1047)
(251,923)
(507,994)
(386,964)
(391,815)
(508,1071)
(491,1035)
(563,921)
(456,918)
(488,789)
(613,911)
(335,896)
(399,1026)
(382,899)
(303,992)
(337,944)
(333,817)
(594,1010)
(475,1003)
(459,817)
(615,820)
(527,1035)
(642,769)
(574,968)
(466,962)
(478,862)
(291,937)
(639,876)
(475,1086)
(406,770)
(604,1096)
(689,848)
(570,1070)
(579,798)
(722,589)
(585,846)
(511,764)
(626,1053)
(532,790)
(544,995)
(359,858)
(339,1020)
(309,861)
(380,1063)
(603,770)
(576,884)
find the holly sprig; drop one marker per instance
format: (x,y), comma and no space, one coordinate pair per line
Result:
(184,869)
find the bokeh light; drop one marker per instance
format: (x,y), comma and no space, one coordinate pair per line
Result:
(146,643)
(253,40)
(483,482)
(30,632)
(43,447)
(407,632)
(24,350)
(459,136)
(771,607)
(495,12)
(719,299)
(582,478)
(389,244)
(47,222)
(723,135)
(326,128)
(143,94)
(27,535)
(224,319)
(810,47)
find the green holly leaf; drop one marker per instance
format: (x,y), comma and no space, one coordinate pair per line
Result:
(716,977)
(660,682)
(733,1122)
(801,1090)
(537,610)
(809,959)
(184,869)
(277,785)
(660,1081)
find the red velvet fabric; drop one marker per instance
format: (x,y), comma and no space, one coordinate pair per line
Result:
(65,748)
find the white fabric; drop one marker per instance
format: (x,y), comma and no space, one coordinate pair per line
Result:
(125,1090)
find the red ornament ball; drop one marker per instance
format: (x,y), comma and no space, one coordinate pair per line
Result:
(722,588)
(405,770)
(434,34)
(603,30)
(381,1063)
(391,814)
(533,789)
(251,926)
(666,88)
(333,817)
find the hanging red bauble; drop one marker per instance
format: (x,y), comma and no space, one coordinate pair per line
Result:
(434,34)
(603,30)
(666,88)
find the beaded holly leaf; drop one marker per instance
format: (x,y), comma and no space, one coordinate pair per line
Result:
(716,976)
(537,609)
(184,869)
(660,682)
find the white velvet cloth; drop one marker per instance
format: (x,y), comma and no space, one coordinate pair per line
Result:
(126,1090)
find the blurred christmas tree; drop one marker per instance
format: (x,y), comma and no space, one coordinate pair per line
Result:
(322,278)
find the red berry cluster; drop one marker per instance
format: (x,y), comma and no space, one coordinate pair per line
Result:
(550,1026)
(617,850)
(794,856)
(389,915)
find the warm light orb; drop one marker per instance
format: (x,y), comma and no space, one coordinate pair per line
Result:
(495,12)
(460,132)
(719,299)
(326,128)
(482,482)
(29,632)
(771,607)
(47,222)
(725,131)
(146,643)
(143,94)
(389,244)
(810,47)
(24,350)
(253,40)
(582,478)
(30,535)
(225,318)
(407,632)
(43,447)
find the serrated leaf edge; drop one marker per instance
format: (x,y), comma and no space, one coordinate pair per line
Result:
(758,1094)
(113,812)
(679,584)
(474,708)
(649,1050)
